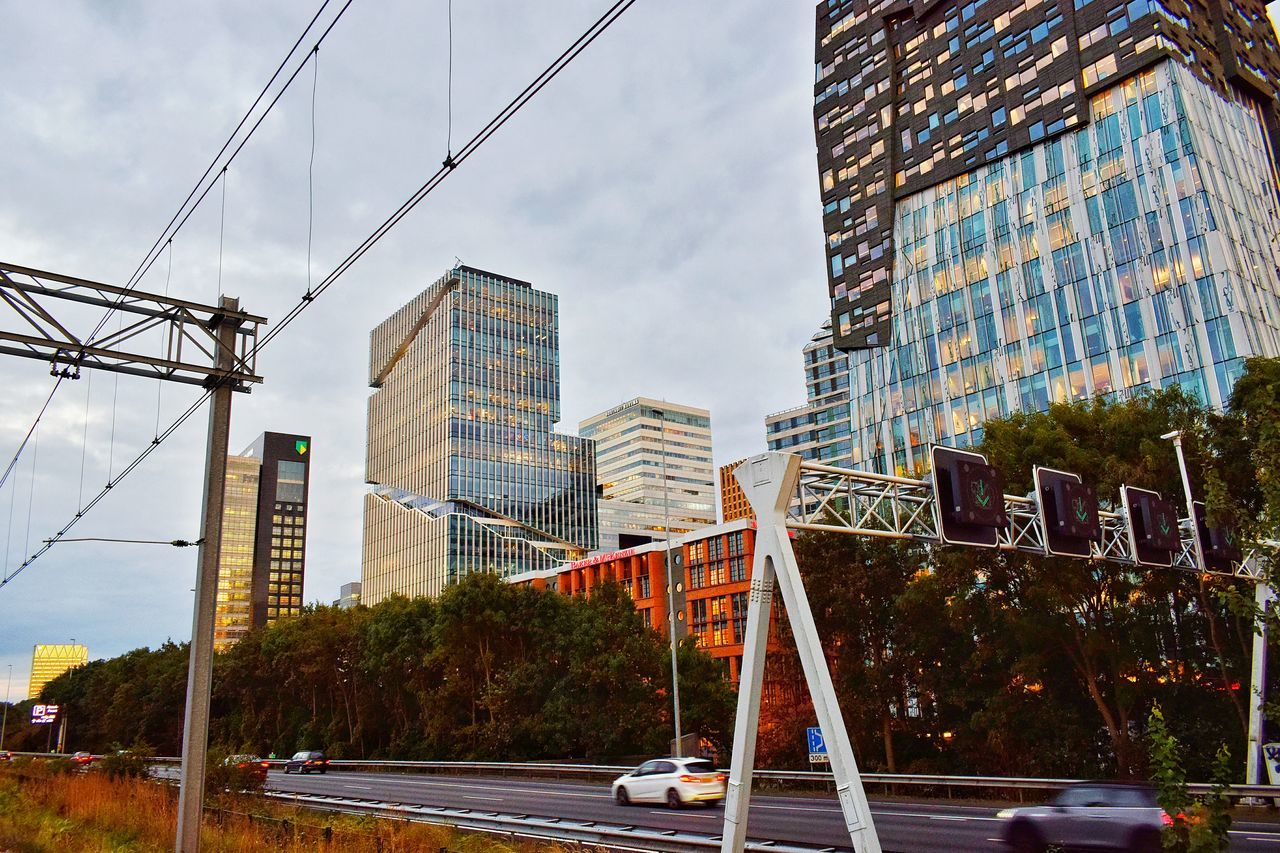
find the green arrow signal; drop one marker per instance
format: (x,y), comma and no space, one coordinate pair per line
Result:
(1081,512)
(980,493)
(1164,523)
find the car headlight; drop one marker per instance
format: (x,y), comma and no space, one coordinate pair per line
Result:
(1006,813)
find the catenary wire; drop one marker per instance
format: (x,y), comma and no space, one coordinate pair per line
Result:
(169,230)
(590,35)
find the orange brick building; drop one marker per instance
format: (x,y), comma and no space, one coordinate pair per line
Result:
(712,567)
(733,501)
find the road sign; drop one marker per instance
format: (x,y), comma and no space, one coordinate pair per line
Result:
(43,714)
(817,746)
(970,497)
(1219,545)
(1153,526)
(1069,512)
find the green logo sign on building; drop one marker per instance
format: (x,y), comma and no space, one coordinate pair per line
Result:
(301,447)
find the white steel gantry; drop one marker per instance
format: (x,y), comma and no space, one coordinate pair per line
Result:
(787,493)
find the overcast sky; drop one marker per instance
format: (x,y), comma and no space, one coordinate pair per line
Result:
(664,187)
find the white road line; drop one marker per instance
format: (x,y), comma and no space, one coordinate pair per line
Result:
(488,799)
(1272,838)
(667,812)
(504,789)
(360,787)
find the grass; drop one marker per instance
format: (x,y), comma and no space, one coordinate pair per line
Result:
(45,808)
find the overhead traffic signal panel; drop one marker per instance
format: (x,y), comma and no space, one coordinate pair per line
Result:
(970,497)
(1219,545)
(1069,510)
(1153,526)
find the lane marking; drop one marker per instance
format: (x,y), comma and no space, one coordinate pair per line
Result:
(669,812)
(487,799)
(503,788)
(360,787)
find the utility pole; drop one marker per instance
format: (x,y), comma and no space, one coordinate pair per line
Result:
(192,336)
(4,722)
(671,585)
(195,729)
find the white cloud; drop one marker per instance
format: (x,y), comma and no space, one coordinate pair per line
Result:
(664,186)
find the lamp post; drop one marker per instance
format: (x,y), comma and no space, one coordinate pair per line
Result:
(671,583)
(4,721)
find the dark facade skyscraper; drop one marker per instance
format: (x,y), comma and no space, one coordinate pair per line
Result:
(264,524)
(912,94)
(1038,201)
(467,471)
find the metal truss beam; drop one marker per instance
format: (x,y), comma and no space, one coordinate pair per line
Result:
(35,326)
(864,503)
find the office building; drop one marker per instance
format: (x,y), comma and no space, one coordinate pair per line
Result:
(467,472)
(1028,202)
(653,466)
(818,431)
(712,567)
(50,661)
(733,501)
(348,596)
(264,528)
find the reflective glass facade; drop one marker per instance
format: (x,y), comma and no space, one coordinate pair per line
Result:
(467,470)
(910,93)
(1137,252)
(264,528)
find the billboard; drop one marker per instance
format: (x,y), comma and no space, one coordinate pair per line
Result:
(43,714)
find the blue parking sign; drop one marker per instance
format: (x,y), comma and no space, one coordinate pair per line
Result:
(817,746)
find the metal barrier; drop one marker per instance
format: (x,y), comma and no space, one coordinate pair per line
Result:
(814,778)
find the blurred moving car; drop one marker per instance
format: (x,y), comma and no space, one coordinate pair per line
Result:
(248,763)
(1089,816)
(307,761)
(674,781)
(6,755)
(82,758)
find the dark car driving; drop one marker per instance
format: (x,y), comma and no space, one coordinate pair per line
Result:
(248,763)
(1089,816)
(307,761)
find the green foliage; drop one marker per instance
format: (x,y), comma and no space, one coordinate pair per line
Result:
(131,763)
(222,776)
(1196,827)
(487,671)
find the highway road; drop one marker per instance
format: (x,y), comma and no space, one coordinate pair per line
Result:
(903,827)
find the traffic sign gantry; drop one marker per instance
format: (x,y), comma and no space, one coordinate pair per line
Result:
(1153,526)
(1220,546)
(1069,512)
(970,497)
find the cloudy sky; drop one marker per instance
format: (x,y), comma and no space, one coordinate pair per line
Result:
(664,187)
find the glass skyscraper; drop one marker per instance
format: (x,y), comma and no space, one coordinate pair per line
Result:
(467,472)
(1027,202)
(264,528)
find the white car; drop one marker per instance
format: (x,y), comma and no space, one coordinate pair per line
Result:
(674,781)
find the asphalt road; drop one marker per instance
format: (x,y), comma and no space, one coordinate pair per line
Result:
(903,827)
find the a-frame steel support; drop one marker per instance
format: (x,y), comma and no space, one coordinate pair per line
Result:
(770,481)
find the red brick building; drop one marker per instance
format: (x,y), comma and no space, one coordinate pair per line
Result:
(712,567)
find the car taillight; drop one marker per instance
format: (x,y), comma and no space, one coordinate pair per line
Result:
(265,764)
(720,777)
(687,778)
(1165,819)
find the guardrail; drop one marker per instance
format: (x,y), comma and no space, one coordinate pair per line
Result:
(889,782)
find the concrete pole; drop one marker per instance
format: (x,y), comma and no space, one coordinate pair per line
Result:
(1264,595)
(195,731)
(671,585)
(4,722)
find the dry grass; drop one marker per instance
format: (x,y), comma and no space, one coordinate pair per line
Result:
(43,811)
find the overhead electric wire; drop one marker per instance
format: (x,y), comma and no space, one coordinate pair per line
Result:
(548,74)
(167,234)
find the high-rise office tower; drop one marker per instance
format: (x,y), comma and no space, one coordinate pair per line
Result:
(1042,200)
(264,526)
(51,660)
(653,463)
(467,471)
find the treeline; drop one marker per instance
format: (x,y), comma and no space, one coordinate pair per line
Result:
(964,660)
(487,671)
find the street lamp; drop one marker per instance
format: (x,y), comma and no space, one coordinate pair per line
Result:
(671,583)
(1176,437)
